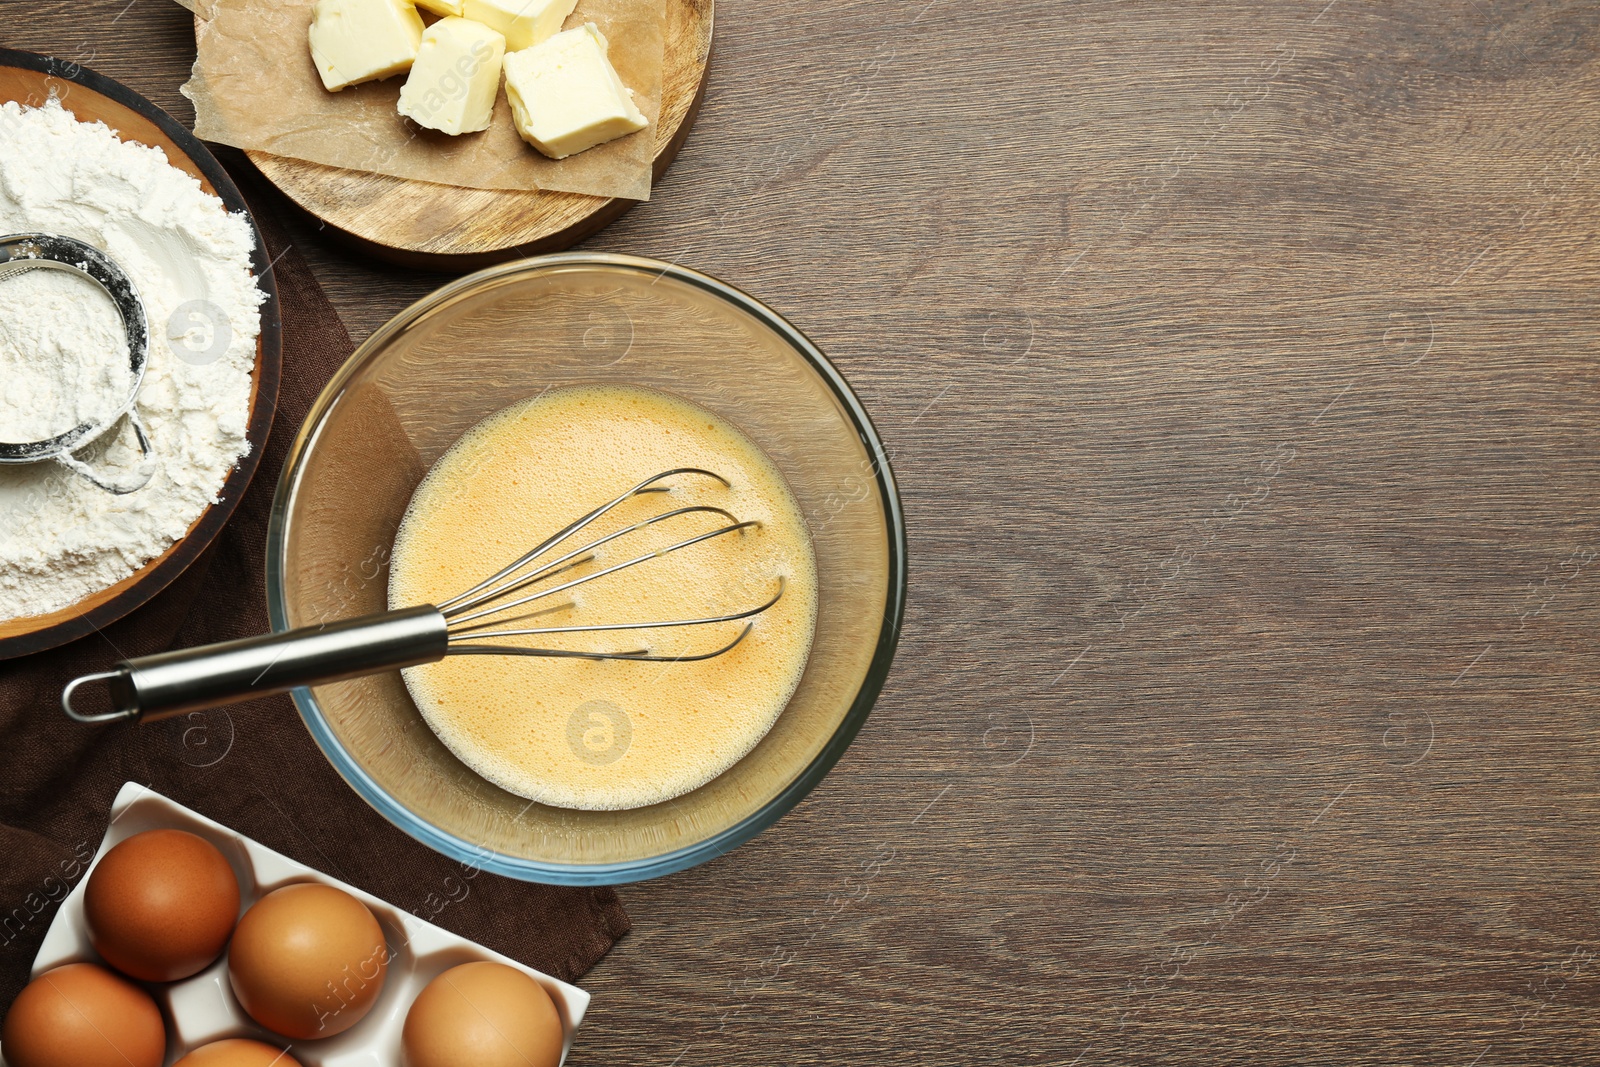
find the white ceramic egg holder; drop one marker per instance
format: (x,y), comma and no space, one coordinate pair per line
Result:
(203,1008)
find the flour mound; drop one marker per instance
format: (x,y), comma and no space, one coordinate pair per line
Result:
(61,537)
(63,356)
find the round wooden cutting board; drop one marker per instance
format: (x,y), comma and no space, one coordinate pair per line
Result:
(408,222)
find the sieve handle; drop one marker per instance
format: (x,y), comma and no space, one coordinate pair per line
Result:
(141,477)
(156,687)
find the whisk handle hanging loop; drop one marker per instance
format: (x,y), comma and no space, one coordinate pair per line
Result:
(156,687)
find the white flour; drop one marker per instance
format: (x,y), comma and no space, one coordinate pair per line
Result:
(63,356)
(61,537)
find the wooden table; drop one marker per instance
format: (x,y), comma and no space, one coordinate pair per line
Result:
(1239,364)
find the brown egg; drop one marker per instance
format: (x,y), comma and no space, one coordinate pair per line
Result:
(238,1052)
(82,1015)
(160,905)
(483,1014)
(308,961)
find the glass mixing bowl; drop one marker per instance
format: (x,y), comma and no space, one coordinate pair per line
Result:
(511,332)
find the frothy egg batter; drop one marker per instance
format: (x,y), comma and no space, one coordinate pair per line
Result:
(610,734)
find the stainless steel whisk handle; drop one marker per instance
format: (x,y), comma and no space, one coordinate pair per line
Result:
(156,687)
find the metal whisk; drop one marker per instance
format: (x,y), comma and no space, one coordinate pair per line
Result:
(156,687)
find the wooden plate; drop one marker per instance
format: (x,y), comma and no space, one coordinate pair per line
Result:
(419,224)
(31,79)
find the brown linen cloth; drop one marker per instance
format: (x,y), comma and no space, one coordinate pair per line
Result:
(252,767)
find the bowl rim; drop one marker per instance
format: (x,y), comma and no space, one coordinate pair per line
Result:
(449,844)
(155,574)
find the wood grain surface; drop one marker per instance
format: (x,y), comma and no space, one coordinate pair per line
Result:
(421,224)
(1239,364)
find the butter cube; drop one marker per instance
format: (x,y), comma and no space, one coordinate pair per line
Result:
(524,22)
(566,96)
(361,40)
(441,7)
(454,81)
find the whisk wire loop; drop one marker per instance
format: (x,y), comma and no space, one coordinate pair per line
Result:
(480,614)
(646,486)
(496,609)
(585,554)
(478,633)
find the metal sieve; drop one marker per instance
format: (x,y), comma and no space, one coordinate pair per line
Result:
(20,252)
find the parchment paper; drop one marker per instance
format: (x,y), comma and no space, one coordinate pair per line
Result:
(254,86)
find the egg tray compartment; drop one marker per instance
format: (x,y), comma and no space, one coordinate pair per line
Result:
(202,1008)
